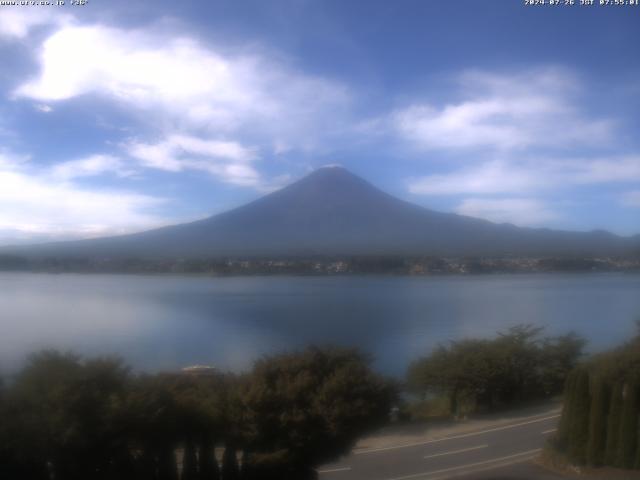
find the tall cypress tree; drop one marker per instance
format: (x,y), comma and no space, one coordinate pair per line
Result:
(613,424)
(579,421)
(230,470)
(248,468)
(167,467)
(567,410)
(209,469)
(189,462)
(598,422)
(628,426)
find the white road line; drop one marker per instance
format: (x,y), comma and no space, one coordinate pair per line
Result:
(493,466)
(499,461)
(455,437)
(453,452)
(551,430)
(332,470)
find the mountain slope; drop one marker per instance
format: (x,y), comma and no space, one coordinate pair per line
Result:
(333,212)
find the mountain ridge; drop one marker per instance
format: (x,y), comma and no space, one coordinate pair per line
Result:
(335,212)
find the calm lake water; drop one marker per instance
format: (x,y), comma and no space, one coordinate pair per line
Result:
(165,322)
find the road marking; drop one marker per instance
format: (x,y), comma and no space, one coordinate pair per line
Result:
(486,468)
(455,437)
(551,430)
(500,461)
(332,470)
(453,452)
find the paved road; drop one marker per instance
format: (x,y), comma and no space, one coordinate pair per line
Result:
(493,449)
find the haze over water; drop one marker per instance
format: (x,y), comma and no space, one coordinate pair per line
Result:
(167,322)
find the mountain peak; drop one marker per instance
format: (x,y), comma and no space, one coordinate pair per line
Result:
(331,170)
(331,180)
(332,211)
(334,171)
(331,165)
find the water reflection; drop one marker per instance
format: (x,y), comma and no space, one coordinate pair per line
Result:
(165,322)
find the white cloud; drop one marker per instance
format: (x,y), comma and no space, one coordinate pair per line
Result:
(18,21)
(228,161)
(519,211)
(501,176)
(41,107)
(616,169)
(533,109)
(489,178)
(186,85)
(631,199)
(45,204)
(35,206)
(90,166)
(11,161)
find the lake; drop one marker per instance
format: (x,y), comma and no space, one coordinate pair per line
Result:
(167,322)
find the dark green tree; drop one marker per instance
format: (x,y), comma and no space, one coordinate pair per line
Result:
(230,468)
(310,407)
(190,462)
(70,419)
(248,471)
(558,356)
(636,463)
(564,426)
(67,414)
(613,423)
(167,465)
(520,362)
(152,424)
(516,366)
(579,422)
(598,422)
(208,464)
(628,436)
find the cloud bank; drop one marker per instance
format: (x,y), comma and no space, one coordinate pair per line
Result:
(188,86)
(496,146)
(505,112)
(45,205)
(512,140)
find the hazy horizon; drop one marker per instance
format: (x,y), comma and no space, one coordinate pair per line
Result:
(350,175)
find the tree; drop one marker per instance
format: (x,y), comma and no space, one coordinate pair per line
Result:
(636,463)
(598,422)
(230,469)
(519,348)
(152,424)
(613,423)
(558,356)
(208,464)
(628,435)
(441,373)
(21,456)
(516,366)
(190,462)
(606,411)
(579,423)
(70,419)
(564,426)
(307,408)
(66,411)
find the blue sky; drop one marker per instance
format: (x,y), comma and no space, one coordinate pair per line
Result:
(121,116)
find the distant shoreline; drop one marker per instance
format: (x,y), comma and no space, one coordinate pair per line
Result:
(326,266)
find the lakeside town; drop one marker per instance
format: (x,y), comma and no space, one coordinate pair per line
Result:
(394,265)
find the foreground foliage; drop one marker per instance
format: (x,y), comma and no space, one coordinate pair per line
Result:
(67,418)
(601,415)
(516,366)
